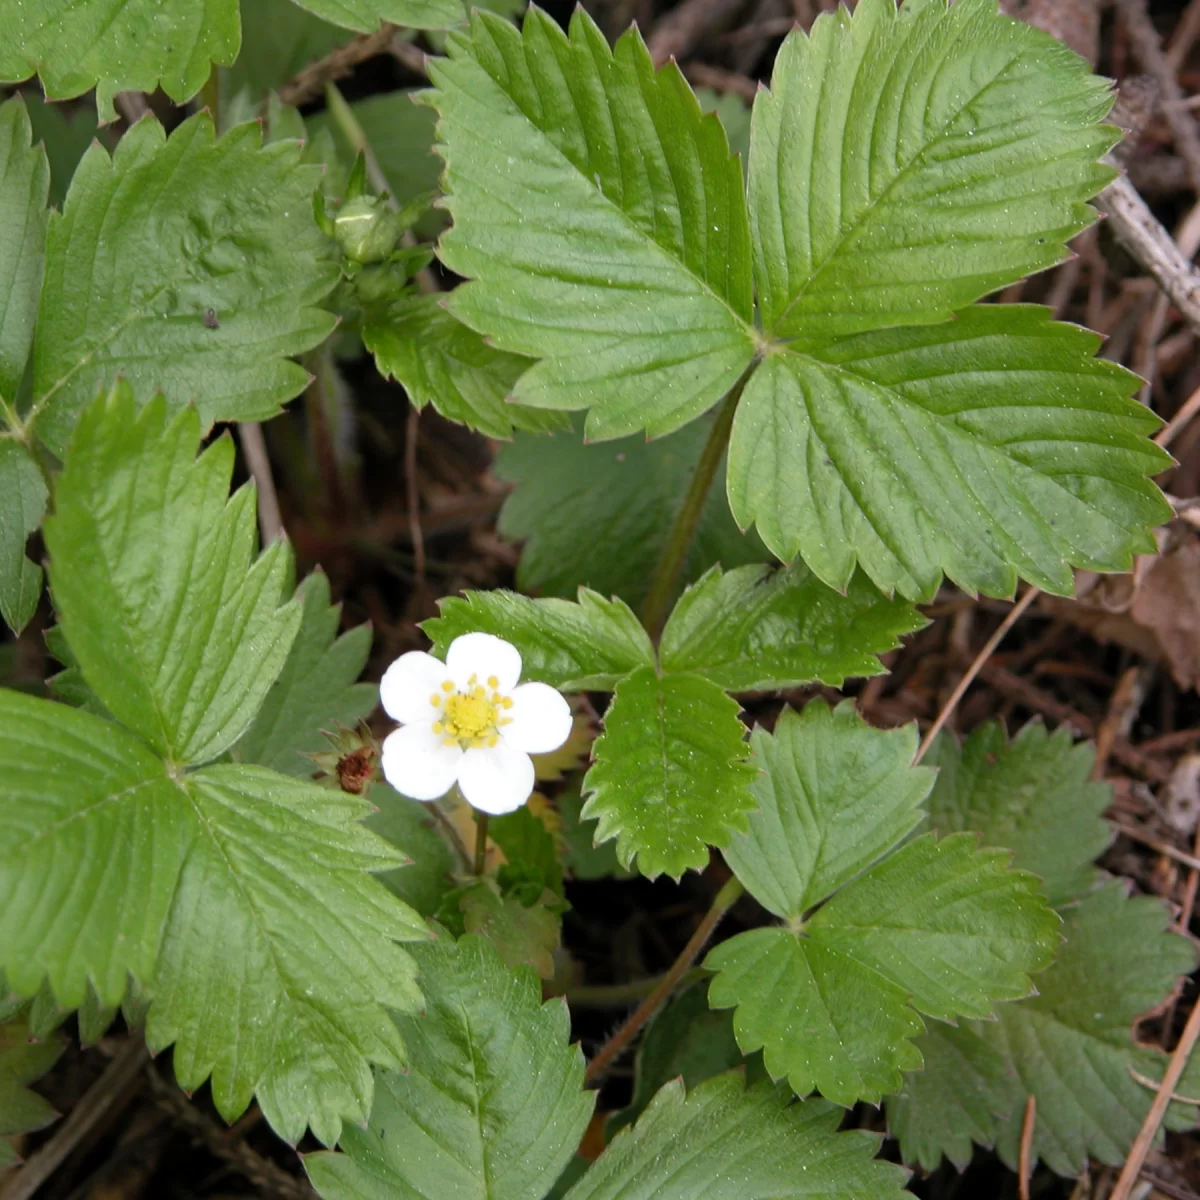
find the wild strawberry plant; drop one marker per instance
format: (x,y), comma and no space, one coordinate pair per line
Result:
(838,423)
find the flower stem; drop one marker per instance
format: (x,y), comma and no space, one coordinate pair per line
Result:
(666,574)
(618,995)
(726,898)
(481,830)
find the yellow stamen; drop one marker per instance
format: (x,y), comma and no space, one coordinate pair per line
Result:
(435,699)
(447,686)
(493,682)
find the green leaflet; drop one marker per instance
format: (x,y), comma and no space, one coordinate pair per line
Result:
(833,795)
(442,362)
(905,163)
(366,15)
(24,187)
(573,646)
(1070,1046)
(21,1063)
(65,913)
(152,239)
(1032,795)
(316,691)
(66,135)
(597,514)
(669,776)
(619,256)
(21,512)
(754,629)
(409,826)
(984,447)
(936,927)
(278,40)
(492,1104)
(725,1143)
(177,629)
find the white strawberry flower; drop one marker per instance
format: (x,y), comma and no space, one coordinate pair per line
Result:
(467,721)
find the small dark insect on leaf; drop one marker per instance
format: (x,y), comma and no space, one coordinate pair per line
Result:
(210,319)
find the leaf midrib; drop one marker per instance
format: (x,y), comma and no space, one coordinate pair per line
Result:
(869,209)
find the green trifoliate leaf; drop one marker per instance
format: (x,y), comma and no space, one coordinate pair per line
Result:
(176,627)
(833,795)
(985,447)
(79,794)
(1070,1046)
(938,927)
(725,1143)
(670,776)
(492,1104)
(22,1061)
(571,645)
(598,515)
(24,504)
(190,264)
(117,45)
(24,186)
(440,361)
(754,629)
(905,163)
(317,689)
(279,960)
(1031,795)
(600,218)
(243,907)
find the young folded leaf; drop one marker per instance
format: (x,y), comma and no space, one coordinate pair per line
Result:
(724,1141)
(177,629)
(571,645)
(670,776)
(935,927)
(1070,1046)
(151,240)
(492,1102)
(601,220)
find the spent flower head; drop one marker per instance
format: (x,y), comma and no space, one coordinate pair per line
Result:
(467,721)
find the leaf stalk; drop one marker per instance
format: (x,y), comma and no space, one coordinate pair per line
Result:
(687,520)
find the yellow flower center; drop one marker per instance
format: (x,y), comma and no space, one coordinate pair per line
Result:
(472,718)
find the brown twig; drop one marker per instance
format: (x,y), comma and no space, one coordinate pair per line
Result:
(683,27)
(1187,30)
(1187,410)
(1025,1153)
(1139,231)
(725,899)
(309,82)
(1146,839)
(108,1094)
(989,648)
(726,82)
(254,450)
(1149,1130)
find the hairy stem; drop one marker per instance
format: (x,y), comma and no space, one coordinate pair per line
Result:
(666,574)
(618,995)
(726,898)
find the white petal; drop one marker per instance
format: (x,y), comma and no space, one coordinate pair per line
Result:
(541,719)
(417,763)
(495,779)
(486,657)
(408,685)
